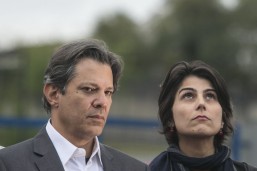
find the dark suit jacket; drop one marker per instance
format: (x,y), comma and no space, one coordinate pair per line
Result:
(39,154)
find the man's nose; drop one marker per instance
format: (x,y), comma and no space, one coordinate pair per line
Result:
(100,101)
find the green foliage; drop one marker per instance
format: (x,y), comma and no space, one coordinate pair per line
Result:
(13,135)
(123,37)
(35,61)
(187,30)
(245,16)
(23,86)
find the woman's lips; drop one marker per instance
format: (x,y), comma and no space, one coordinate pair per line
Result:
(201,117)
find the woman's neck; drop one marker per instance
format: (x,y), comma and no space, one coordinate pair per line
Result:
(197,147)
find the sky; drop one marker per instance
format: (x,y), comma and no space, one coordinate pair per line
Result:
(36,21)
(39,21)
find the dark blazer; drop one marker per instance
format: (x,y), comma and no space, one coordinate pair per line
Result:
(39,154)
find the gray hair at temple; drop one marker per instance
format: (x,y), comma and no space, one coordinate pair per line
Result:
(61,67)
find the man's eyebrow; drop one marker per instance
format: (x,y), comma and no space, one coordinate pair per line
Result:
(94,85)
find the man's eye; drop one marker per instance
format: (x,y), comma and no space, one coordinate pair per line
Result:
(109,93)
(88,89)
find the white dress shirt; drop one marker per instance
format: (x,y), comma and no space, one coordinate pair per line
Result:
(72,157)
(1,147)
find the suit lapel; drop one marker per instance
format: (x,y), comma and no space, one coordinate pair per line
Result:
(48,158)
(107,159)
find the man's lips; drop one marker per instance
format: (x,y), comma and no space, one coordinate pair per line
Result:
(201,117)
(96,117)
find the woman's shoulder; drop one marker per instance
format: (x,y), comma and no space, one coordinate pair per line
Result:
(160,162)
(242,166)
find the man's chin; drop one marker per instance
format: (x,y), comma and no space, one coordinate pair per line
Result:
(97,131)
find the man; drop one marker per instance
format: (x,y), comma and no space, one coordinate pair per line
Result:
(79,82)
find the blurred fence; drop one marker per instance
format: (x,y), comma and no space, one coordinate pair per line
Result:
(128,135)
(39,122)
(136,137)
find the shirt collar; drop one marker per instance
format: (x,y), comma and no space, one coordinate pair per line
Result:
(66,150)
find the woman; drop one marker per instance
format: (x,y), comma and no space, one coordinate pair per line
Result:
(195,112)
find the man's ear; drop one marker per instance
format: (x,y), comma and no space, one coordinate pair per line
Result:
(51,93)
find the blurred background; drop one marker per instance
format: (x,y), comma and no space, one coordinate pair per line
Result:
(150,35)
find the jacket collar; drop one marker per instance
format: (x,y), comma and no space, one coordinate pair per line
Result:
(108,159)
(48,157)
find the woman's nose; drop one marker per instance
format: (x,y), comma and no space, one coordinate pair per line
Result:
(200,103)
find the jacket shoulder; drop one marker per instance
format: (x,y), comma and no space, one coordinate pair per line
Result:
(121,159)
(14,156)
(16,148)
(242,166)
(112,152)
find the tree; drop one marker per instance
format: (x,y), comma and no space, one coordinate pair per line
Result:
(123,36)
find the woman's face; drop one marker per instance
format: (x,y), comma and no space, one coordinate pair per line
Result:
(196,109)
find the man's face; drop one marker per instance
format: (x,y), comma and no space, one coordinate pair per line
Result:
(84,107)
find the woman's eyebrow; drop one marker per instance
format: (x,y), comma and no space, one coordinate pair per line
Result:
(186,88)
(210,89)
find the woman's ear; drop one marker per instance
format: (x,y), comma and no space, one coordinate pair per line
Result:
(51,93)
(222,124)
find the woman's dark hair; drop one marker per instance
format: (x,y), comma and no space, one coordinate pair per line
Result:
(170,86)
(61,67)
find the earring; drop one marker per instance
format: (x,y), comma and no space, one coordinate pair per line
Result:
(221,134)
(172,127)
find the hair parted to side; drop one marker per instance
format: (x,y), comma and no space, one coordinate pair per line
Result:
(61,67)
(170,86)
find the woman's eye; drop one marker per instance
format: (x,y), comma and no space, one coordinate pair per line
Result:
(210,96)
(188,96)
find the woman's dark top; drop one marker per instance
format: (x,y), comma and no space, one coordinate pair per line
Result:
(174,160)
